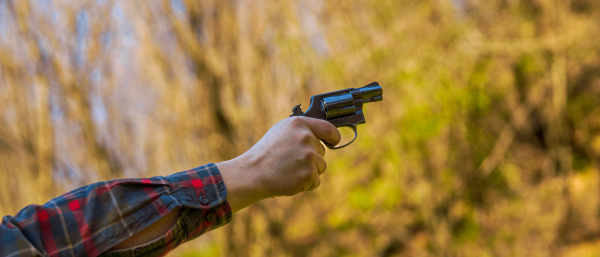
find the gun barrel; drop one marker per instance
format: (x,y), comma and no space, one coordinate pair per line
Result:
(371,93)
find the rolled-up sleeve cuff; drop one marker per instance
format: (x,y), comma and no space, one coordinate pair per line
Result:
(202,193)
(201,187)
(203,190)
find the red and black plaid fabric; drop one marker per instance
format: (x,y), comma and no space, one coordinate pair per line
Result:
(88,221)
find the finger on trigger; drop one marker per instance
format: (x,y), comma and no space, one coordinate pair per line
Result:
(324,130)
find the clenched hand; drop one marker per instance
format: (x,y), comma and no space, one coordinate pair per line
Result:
(287,160)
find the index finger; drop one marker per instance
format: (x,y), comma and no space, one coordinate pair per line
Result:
(324,130)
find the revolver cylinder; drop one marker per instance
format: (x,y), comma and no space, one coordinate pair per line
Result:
(338,105)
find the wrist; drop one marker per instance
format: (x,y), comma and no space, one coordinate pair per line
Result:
(242,183)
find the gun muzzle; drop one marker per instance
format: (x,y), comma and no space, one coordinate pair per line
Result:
(371,93)
(344,104)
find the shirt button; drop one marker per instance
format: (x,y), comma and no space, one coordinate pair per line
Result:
(204,200)
(211,217)
(139,251)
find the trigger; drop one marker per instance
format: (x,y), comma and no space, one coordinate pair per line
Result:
(330,146)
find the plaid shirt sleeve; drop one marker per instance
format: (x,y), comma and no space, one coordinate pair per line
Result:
(88,221)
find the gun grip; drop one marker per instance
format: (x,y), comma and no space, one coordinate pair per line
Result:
(338,147)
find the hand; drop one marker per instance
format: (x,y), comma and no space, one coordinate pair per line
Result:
(287,160)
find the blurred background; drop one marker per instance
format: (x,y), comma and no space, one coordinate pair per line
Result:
(487,142)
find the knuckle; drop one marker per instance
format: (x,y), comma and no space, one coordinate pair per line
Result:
(307,175)
(326,125)
(296,121)
(306,137)
(308,156)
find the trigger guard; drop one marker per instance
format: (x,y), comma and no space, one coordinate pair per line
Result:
(330,146)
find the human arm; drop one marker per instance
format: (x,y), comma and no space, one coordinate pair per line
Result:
(286,161)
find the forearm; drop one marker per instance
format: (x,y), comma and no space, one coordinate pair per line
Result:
(92,219)
(194,223)
(242,191)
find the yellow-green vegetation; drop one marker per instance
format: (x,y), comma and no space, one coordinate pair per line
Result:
(486,144)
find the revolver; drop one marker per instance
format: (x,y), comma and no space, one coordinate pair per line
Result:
(342,108)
